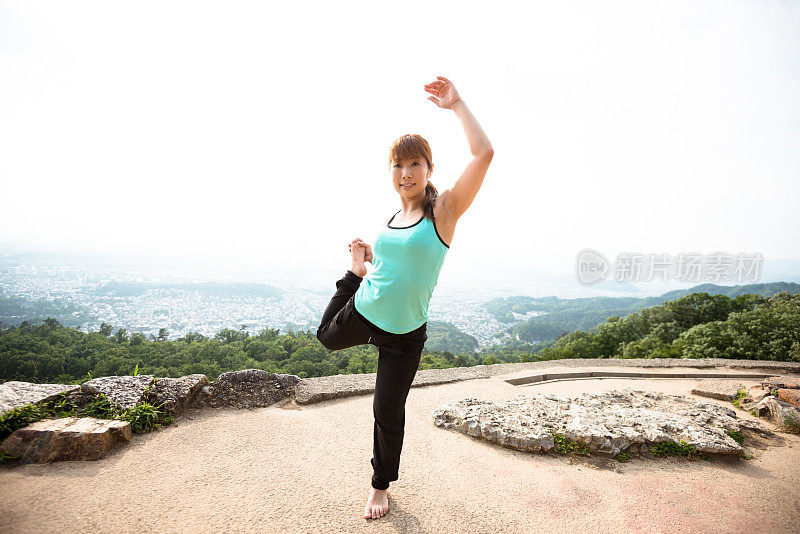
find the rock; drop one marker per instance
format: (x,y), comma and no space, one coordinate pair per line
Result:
(716,388)
(246,389)
(14,394)
(754,394)
(766,407)
(607,422)
(123,391)
(792,396)
(756,428)
(176,393)
(79,398)
(68,438)
(776,410)
(776,382)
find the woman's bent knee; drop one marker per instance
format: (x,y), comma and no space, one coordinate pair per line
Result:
(328,343)
(323,339)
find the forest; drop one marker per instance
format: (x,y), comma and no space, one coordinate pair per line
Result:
(698,325)
(558,316)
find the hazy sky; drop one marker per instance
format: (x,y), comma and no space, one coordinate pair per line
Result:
(259,131)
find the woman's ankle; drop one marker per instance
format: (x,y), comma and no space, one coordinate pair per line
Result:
(354,274)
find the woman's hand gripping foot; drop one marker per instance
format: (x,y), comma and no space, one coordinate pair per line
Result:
(377,504)
(360,252)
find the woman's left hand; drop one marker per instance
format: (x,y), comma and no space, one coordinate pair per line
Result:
(444,91)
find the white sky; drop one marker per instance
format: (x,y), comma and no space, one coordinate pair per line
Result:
(258,131)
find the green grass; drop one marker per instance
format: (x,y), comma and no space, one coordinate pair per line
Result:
(737,436)
(622,456)
(7,458)
(742,393)
(666,448)
(565,445)
(791,423)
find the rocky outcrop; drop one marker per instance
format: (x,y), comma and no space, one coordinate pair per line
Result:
(176,394)
(786,388)
(718,389)
(608,422)
(14,394)
(68,438)
(777,382)
(249,388)
(755,394)
(792,396)
(775,410)
(87,438)
(123,391)
(776,398)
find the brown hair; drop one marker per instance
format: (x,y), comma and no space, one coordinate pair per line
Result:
(409,146)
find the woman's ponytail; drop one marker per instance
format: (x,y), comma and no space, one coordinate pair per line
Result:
(430,197)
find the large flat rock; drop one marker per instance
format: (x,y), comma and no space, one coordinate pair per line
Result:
(607,422)
(123,391)
(67,438)
(14,394)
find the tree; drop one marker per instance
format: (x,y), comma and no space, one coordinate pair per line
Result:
(163,334)
(121,336)
(229,335)
(51,323)
(106,329)
(193,336)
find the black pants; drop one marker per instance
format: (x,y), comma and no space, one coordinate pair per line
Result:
(398,359)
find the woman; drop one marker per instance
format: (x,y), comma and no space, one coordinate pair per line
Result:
(390,310)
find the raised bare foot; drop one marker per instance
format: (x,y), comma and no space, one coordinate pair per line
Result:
(367,249)
(377,504)
(357,251)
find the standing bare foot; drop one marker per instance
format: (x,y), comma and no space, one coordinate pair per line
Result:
(377,504)
(358,268)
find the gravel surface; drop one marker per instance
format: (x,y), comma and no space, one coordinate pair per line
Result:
(306,468)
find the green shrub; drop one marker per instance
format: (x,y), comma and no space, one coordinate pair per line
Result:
(6,458)
(101,408)
(737,436)
(20,417)
(622,456)
(565,445)
(665,448)
(143,417)
(791,423)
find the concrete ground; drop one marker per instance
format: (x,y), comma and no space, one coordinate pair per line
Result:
(306,468)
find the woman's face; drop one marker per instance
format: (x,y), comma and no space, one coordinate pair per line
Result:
(414,173)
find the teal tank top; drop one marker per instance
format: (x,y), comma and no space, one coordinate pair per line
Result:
(407,261)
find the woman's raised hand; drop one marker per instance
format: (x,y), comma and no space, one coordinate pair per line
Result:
(443,91)
(367,248)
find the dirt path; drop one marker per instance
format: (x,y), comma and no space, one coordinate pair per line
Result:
(307,469)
